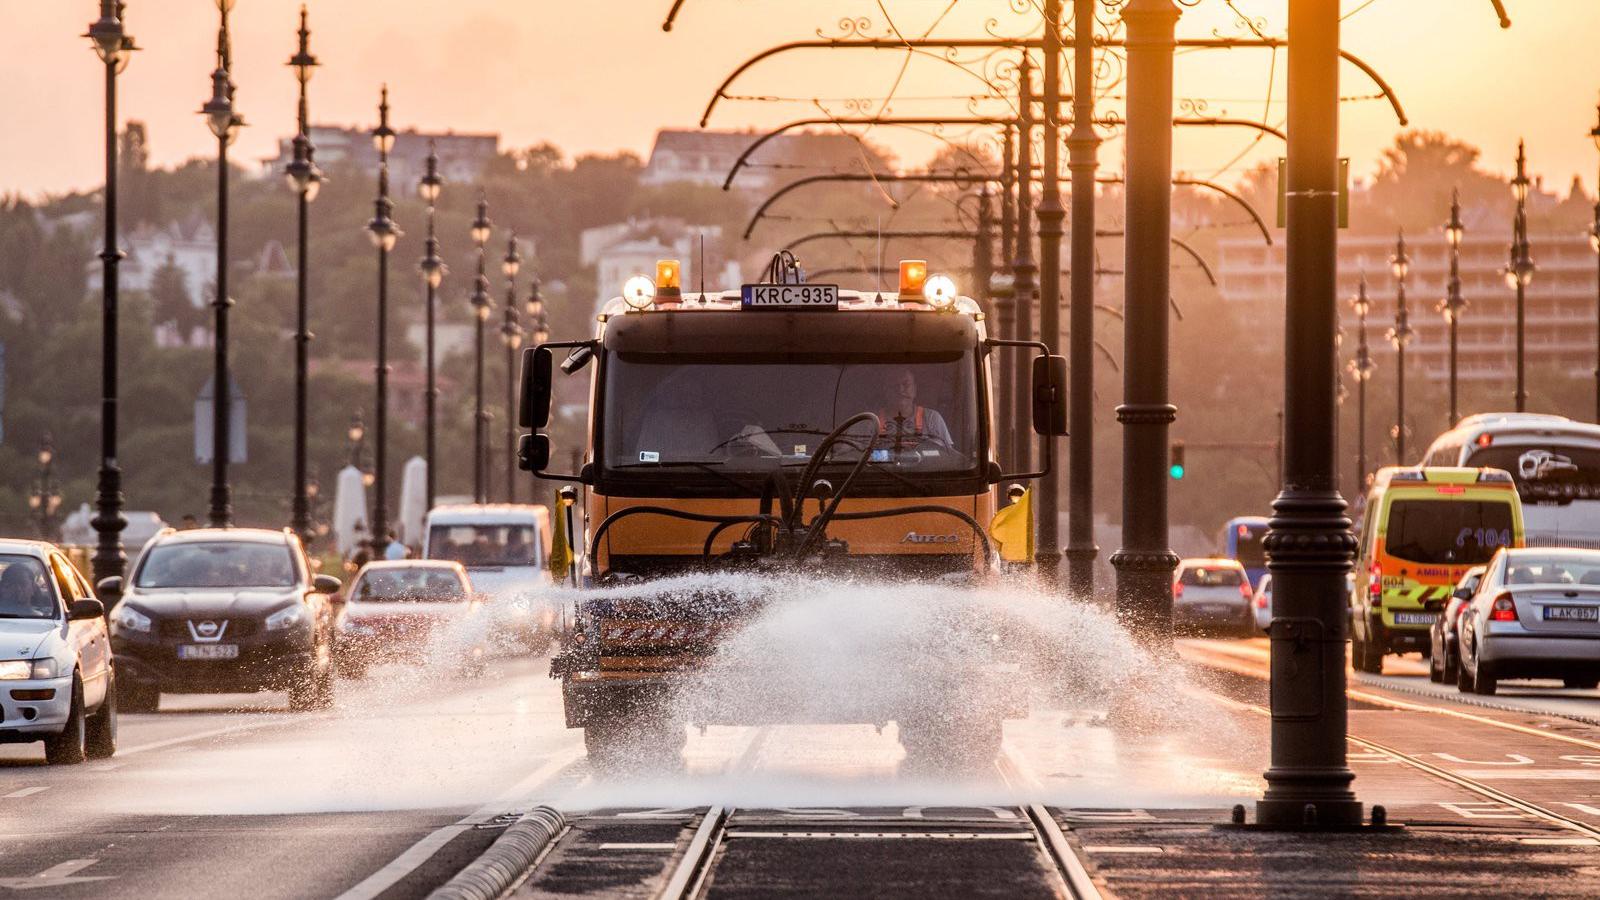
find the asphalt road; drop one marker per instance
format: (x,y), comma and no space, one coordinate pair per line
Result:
(416,770)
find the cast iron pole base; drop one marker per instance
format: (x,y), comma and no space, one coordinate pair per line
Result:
(1080,569)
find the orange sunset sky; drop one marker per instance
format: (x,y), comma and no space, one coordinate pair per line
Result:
(600,76)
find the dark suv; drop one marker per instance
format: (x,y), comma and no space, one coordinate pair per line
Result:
(223,610)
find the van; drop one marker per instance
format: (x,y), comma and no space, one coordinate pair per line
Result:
(504,548)
(1424,528)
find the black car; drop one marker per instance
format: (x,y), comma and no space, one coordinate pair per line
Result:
(1445,635)
(224,610)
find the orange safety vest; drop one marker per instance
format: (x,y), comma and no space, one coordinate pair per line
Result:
(884,421)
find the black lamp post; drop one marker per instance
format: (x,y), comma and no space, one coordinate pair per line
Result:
(1361,369)
(1400,336)
(1453,304)
(1594,244)
(384,234)
(481,229)
(433,271)
(511,336)
(1024,271)
(1050,212)
(114,47)
(305,181)
(225,125)
(45,499)
(1083,147)
(1519,271)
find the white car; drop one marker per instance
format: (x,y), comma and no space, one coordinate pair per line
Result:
(409,610)
(1262,603)
(55,657)
(1534,614)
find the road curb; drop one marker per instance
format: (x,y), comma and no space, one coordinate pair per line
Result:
(513,853)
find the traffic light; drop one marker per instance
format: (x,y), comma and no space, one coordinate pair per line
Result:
(1175,467)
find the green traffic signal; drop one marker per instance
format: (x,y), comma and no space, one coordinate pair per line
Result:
(1176,471)
(1175,467)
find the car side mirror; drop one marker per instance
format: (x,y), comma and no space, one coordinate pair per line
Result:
(110,586)
(326,584)
(87,608)
(537,366)
(533,452)
(1050,395)
(1464,593)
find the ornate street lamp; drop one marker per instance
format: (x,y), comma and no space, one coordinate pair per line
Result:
(1360,369)
(305,180)
(511,336)
(1400,335)
(1519,271)
(433,271)
(481,229)
(224,123)
(1452,305)
(384,234)
(45,499)
(114,46)
(1594,244)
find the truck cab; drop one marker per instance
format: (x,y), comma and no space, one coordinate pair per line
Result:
(782,426)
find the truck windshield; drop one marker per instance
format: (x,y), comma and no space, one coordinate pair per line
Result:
(1554,472)
(484,545)
(749,413)
(1448,532)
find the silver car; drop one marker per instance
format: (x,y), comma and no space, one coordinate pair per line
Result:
(1213,595)
(1535,614)
(55,658)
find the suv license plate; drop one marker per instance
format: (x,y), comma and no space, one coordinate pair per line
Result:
(1572,613)
(208,651)
(1412,618)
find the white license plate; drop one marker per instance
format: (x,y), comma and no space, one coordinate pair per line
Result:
(208,651)
(1411,618)
(1572,613)
(789,296)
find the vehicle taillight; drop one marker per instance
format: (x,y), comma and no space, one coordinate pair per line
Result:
(1244,589)
(1375,585)
(1504,609)
(1261,601)
(1177,589)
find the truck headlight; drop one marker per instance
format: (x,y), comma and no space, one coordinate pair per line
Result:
(15,669)
(285,618)
(127,617)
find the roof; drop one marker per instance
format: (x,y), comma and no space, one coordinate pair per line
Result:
(197,535)
(1213,562)
(24,546)
(413,564)
(473,513)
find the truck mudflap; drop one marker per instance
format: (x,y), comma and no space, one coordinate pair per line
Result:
(990,693)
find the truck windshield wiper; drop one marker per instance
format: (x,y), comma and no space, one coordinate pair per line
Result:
(704,465)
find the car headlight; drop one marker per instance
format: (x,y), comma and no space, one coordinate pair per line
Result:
(288,617)
(46,667)
(125,616)
(15,669)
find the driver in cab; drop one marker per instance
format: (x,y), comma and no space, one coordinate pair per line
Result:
(905,422)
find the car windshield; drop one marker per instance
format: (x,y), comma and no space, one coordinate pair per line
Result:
(1210,576)
(755,412)
(217,564)
(25,589)
(1448,532)
(485,545)
(1553,569)
(414,584)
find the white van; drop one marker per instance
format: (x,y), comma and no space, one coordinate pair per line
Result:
(505,548)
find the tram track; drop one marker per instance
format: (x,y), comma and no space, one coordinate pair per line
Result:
(718,828)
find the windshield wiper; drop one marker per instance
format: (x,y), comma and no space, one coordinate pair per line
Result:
(704,465)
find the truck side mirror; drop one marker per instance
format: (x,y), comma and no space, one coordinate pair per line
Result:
(533,452)
(537,366)
(1050,395)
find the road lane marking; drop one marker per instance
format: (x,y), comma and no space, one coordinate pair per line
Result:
(623,845)
(26,792)
(59,875)
(422,851)
(1532,774)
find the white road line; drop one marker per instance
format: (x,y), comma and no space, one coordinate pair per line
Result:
(26,792)
(423,850)
(202,735)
